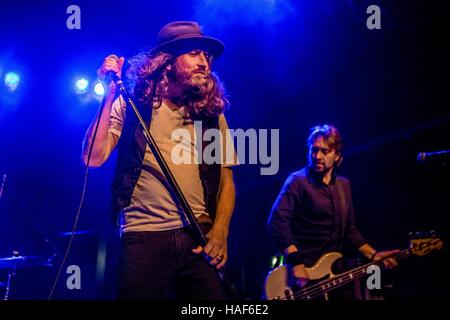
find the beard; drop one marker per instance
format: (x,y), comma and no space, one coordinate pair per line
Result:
(194,84)
(196,90)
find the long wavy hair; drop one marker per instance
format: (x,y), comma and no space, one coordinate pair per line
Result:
(148,80)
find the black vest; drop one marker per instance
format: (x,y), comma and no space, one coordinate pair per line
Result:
(131,150)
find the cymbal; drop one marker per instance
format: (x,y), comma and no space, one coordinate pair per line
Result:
(20,262)
(76,233)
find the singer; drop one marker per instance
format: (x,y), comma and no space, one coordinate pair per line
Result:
(173,85)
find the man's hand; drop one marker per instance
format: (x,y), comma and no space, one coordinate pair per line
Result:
(389,263)
(215,251)
(300,275)
(111,63)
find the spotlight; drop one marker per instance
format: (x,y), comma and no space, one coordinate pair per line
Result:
(81,86)
(98,89)
(12,80)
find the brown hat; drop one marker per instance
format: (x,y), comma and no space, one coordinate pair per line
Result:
(180,37)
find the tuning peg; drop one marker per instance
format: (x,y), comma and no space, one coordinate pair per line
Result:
(415,235)
(423,234)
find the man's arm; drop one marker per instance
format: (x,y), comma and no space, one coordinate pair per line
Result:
(216,248)
(104,141)
(218,235)
(370,253)
(279,223)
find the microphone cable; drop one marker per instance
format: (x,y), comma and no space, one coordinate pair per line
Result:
(83,192)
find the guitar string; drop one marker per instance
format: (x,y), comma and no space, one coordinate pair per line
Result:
(330,284)
(318,288)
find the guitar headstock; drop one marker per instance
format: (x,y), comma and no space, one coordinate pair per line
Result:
(422,243)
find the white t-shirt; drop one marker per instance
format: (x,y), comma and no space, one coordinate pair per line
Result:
(152,206)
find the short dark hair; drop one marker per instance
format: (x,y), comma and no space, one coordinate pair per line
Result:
(330,134)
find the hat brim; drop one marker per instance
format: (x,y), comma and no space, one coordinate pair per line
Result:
(181,46)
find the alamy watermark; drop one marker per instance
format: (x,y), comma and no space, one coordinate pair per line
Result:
(374,280)
(262,146)
(74,20)
(374,20)
(74,279)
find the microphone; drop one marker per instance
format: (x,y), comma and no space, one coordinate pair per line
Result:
(442,156)
(111,76)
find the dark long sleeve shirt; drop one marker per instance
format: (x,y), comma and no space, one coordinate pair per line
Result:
(315,217)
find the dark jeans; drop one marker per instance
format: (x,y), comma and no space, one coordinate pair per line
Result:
(160,265)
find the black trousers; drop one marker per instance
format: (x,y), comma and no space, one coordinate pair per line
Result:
(160,266)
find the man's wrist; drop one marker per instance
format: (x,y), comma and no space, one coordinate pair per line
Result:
(294,258)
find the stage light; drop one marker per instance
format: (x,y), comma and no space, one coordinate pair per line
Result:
(12,80)
(277,260)
(98,89)
(81,85)
(274,261)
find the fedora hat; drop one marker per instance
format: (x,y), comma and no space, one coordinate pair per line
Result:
(180,37)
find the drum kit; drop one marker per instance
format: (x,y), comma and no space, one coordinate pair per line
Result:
(16,262)
(10,265)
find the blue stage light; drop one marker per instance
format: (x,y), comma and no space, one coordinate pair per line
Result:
(12,80)
(98,89)
(81,85)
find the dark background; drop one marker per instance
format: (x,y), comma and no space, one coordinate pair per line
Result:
(287,65)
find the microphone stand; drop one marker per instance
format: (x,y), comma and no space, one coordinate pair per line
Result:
(200,237)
